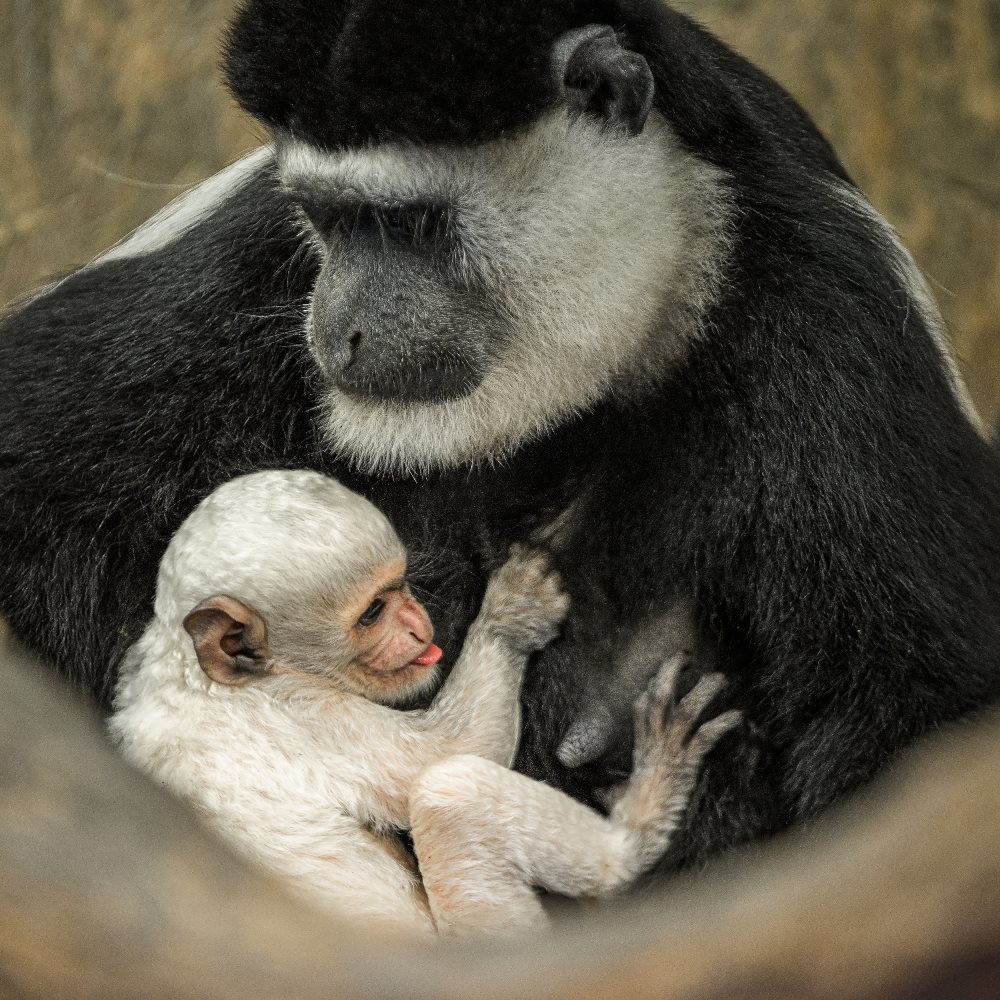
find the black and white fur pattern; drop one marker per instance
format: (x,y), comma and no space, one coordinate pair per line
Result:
(787,445)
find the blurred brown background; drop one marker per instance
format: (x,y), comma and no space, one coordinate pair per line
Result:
(109,108)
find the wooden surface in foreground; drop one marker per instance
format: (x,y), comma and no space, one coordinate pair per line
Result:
(110,890)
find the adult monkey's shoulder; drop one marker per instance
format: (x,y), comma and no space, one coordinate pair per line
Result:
(128,390)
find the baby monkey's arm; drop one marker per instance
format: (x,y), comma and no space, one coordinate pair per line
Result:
(477,710)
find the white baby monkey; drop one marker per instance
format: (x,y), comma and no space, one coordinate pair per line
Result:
(261,691)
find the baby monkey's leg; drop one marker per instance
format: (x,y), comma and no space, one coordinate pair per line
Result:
(485,836)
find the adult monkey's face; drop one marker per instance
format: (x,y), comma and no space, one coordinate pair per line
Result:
(502,247)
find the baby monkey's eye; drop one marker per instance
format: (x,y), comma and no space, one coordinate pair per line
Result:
(373,612)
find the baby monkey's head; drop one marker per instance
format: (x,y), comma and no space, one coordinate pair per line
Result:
(282,573)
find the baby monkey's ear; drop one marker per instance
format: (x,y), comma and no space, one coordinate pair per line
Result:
(230,639)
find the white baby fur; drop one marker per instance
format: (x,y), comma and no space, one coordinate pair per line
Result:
(602,251)
(242,755)
(304,778)
(244,538)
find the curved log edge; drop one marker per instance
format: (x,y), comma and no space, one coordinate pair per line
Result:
(110,889)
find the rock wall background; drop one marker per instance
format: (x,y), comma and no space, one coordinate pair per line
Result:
(109,108)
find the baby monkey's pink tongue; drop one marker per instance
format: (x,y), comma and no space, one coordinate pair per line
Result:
(431,655)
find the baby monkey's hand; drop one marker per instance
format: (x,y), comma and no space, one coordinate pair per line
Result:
(524,602)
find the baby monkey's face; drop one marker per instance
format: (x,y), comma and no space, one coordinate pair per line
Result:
(376,643)
(390,636)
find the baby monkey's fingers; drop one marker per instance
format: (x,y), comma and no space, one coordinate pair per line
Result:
(654,704)
(525,602)
(666,728)
(708,734)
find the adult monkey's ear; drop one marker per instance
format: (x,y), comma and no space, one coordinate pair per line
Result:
(230,640)
(598,76)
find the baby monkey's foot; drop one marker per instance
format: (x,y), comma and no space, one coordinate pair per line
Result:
(670,748)
(665,733)
(525,603)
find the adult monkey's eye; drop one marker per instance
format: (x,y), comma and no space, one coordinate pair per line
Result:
(372,613)
(329,219)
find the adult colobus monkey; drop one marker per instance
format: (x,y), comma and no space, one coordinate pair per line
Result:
(510,260)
